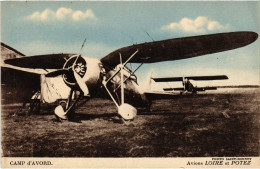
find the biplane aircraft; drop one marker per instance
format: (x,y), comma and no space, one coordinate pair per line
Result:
(188,87)
(109,76)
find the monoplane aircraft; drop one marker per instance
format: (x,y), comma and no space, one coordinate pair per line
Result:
(109,76)
(188,87)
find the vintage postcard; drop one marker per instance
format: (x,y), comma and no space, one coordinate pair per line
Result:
(130,84)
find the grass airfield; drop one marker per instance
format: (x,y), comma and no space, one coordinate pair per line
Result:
(188,126)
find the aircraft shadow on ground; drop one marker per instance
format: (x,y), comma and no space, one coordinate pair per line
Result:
(114,117)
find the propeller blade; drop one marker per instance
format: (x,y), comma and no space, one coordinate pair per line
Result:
(57,73)
(81,84)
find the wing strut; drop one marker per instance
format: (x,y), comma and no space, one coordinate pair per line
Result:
(122,82)
(132,73)
(126,111)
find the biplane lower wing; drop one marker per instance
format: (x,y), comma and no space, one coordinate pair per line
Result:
(200,89)
(205,88)
(173,79)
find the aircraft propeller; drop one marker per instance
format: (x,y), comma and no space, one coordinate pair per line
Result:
(79,80)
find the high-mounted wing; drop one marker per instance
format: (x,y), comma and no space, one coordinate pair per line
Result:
(173,79)
(180,48)
(51,61)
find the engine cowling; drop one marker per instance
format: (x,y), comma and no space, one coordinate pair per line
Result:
(88,69)
(80,68)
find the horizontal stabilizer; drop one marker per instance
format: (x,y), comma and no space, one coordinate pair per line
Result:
(51,61)
(173,79)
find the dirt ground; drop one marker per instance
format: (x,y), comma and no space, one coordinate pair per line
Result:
(189,126)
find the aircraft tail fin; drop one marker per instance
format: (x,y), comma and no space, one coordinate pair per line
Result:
(148,83)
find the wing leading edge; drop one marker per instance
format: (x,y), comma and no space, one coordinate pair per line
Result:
(181,48)
(50,61)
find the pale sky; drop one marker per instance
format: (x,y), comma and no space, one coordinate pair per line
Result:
(35,28)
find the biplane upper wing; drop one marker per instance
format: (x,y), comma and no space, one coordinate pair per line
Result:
(172,79)
(180,48)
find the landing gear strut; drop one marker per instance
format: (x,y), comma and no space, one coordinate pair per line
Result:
(126,111)
(62,113)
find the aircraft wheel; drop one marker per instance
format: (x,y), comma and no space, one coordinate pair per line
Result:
(127,112)
(34,107)
(63,104)
(59,111)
